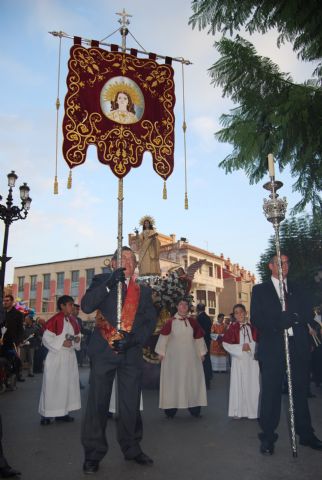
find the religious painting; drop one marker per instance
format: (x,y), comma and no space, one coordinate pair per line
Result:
(122,100)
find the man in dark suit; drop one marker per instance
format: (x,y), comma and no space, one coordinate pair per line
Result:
(13,337)
(124,356)
(205,323)
(267,316)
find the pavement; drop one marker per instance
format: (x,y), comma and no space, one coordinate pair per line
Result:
(185,448)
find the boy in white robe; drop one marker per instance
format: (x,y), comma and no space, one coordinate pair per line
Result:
(60,392)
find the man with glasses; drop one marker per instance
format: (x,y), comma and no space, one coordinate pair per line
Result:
(267,316)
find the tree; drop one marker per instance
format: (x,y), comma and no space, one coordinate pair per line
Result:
(274,115)
(301,240)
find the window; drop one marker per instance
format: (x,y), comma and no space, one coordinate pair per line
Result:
(60,283)
(90,272)
(201,296)
(218,267)
(46,281)
(32,303)
(21,283)
(44,307)
(75,283)
(210,271)
(106,270)
(33,282)
(212,299)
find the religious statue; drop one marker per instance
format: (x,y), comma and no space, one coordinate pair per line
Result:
(149,248)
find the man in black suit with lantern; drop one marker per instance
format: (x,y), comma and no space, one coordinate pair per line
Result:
(267,316)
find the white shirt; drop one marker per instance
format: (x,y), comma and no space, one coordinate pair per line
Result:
(276,284)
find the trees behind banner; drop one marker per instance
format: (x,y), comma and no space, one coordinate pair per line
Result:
(274,114)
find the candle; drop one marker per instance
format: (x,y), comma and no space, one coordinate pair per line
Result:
(271,167)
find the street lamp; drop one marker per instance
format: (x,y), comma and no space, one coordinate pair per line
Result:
(8,214)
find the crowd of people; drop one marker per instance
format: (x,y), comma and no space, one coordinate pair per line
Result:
(191,350)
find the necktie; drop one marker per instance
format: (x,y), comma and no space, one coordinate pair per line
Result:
(285,295)
(124,289)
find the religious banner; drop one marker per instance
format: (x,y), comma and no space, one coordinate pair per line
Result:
(123,105)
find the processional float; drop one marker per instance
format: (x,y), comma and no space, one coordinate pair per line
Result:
(124,105)
(274,210)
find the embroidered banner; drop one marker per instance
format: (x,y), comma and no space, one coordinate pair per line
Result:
(123,105)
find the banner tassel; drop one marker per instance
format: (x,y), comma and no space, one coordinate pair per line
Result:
(55,186)
(164,195)
(186,206)
(69,181)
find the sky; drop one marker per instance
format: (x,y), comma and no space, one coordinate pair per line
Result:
(225,212)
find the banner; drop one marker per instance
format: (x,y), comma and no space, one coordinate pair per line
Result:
(123,105)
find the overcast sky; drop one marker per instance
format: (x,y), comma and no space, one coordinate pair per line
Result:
(225,211)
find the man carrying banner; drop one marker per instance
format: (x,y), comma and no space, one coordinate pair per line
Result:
(112,353)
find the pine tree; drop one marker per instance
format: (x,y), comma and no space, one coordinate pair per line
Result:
(274,114)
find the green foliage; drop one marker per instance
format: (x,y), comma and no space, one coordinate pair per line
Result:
(274,114)
(301,240)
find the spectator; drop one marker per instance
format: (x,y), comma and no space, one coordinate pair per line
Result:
(205,323)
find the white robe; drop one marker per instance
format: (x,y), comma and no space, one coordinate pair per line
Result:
(182,379)
(244,379)
(60,392)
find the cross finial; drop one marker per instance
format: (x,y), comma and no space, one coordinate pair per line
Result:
(124,18)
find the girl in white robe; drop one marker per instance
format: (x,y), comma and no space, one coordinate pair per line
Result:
(239,342)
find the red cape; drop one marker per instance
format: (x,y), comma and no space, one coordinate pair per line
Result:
(197,330)
(232,334)
(56,324)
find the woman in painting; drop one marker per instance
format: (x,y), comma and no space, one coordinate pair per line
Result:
(122,109)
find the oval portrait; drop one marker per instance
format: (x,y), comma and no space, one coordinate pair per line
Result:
(122,100)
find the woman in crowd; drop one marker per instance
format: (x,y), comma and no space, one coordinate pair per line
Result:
(181,348)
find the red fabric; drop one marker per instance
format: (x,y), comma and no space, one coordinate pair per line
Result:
(56,324)
(197,330)
(119,144)
(232,334)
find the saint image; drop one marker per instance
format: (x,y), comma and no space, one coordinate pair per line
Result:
(122,101)
(149,248)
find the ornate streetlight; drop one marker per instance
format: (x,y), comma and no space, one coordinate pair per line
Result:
(8,214)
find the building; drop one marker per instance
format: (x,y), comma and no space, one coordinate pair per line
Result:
(40,285)
(238,285)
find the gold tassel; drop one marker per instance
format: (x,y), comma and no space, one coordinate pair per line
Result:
(55,186)
(186,201)
(164,195)
(69,181)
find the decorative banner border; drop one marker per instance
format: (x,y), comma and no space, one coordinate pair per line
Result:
(121,104)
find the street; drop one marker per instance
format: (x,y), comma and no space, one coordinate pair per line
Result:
(185,448)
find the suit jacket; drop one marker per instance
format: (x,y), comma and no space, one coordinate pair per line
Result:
(14,323)
(97,297)
(267,316)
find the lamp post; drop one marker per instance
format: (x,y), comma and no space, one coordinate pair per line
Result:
(8,214)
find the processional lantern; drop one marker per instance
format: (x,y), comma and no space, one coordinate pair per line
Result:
(275,210)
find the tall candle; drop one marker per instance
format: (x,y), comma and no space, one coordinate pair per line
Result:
(271,168)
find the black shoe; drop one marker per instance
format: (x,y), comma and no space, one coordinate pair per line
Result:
(142,459)
(266,448)
(311,395)
(8,472)
(65,418)
(31,375)
(20,379)
(90,466)
(312,442)
(45,421)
